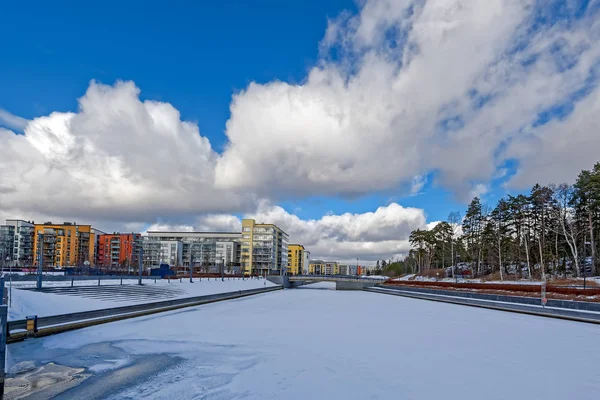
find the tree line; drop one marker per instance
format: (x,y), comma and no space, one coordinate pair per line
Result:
(555,229)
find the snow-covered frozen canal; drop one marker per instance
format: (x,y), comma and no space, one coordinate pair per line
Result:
(322,344)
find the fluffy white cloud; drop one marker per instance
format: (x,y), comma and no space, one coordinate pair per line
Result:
(441,86)
(116,158)
(382,234)
(558,151)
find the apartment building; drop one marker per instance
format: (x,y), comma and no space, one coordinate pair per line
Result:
(16,243)
(118,251)
(203,248)
(63,245)
(306,262)
(296,259)
(264,248)
(158,252)
(97,233)
(319,267)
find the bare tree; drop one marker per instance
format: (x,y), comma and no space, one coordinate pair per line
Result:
(454,220)
(566,221)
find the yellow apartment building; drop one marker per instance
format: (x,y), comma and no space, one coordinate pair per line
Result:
(295,264)
(63,245)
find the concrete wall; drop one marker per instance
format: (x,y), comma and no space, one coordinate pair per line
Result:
(352,285)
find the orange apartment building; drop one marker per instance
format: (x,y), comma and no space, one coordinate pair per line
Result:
(118,251)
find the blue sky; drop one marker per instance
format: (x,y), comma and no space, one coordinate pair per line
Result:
(337,106)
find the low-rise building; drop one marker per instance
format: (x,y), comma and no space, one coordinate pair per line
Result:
(320,267)
(203,248)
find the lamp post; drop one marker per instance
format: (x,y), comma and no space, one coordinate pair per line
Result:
(10,288)
(40,260)
(191,261)
(140,266)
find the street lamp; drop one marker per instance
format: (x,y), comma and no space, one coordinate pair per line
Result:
(191,261)
(10,286)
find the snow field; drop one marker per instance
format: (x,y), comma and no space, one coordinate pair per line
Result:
(318,344)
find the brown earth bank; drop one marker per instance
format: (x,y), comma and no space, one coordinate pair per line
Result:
(552,291)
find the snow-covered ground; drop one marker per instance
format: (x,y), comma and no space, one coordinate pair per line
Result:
(324,344)
(26,302)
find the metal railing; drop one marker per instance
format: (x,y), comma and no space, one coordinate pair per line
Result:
(63,319)
(507,305)
(332,277)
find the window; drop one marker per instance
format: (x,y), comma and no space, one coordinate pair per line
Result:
(245,229)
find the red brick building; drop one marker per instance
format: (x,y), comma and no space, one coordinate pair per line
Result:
(119,251)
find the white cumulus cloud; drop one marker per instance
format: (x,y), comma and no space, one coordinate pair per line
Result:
(442,85)
(382,234)
(116,158)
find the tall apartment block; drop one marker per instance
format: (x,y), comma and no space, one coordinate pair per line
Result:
(119,251)
(16,243)
(63,245)
(264,248)
(296,259)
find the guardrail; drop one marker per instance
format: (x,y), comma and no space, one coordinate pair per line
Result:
(567,314)
(18,330)
(535,301)
(335,277)
(68,278)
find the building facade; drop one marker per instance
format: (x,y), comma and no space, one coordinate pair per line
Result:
(63,245)
(16,243)
(296,259)
(118,251)
(264,248)
(204,249)
(319,267)
(156,252)
(306,262)
(7,240)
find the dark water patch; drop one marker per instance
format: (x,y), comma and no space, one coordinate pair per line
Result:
(109,383)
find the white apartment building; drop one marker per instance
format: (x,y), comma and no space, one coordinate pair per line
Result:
(157,252)
(205,249)
(16,242)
